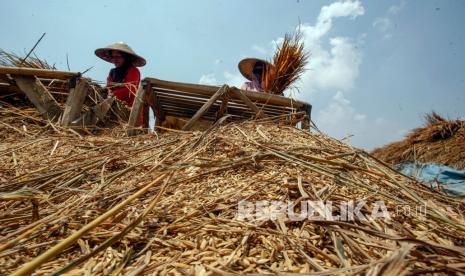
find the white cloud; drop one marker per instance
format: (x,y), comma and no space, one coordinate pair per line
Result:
(396,9)
(324,22)
(382,24)
(336,67)
(260,50)
(360,117)
(333,68)
(208,79)
(233,79)
(340,119)
(337,114)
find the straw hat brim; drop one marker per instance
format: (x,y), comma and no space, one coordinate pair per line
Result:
(104,53)
(246,66)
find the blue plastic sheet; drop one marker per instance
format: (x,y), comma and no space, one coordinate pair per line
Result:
(443,177)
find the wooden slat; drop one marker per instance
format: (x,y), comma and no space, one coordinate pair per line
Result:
(39,96)
(306,123)
(233,104)
(185,110)
(245,114)
(40,73)
(207,90)
(206,106)
(186,115)
(181,101)
(224,106)
(231,109)
(75,101)
(95,114)
(181,97)
(178,93)
(154,101)
(239,94)
(136,109)
(5,79)
(9,89)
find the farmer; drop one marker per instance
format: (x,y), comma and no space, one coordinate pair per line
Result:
(255,70)
(123,80)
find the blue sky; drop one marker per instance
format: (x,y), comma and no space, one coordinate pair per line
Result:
(376,66)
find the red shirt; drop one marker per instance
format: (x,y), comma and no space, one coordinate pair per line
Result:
(126,93)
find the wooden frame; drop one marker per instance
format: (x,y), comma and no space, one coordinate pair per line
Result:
(191,102)
(39,96)
(210,103)
(30,81)
(39,73)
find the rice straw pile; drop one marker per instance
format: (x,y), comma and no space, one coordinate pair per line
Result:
(289,63)
(168,204)
(11,59)
(440,141)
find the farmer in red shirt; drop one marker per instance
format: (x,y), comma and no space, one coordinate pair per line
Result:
(123,80)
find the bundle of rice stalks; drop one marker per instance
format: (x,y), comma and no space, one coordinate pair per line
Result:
(289,63)
(170,205)
(440,141)
(11,59)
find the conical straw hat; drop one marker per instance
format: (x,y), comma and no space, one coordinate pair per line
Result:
(104,53)
(246,66)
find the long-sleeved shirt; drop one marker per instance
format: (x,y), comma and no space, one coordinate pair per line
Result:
(127,92)
(252,86)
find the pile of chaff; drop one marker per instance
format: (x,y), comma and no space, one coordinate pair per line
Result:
(440,141)
(169,204)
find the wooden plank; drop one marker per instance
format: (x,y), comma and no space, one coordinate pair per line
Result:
(9,89)
(190,113)
(246,113)
(307,122)
(145,116)
(40,73)
(171,95)
(170,113)
(208,90)
(231,104)
(136,109)
(96,113)
(180,107)
(243,111)
(5,79)
(239,94)
(181,101)
(74,102)
(154,102)
(39,96)
(206,106)
(224,107)
(182,94)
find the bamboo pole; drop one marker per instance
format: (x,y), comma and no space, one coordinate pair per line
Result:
(223,89)
(40,73)
(240,94)
(136,109)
